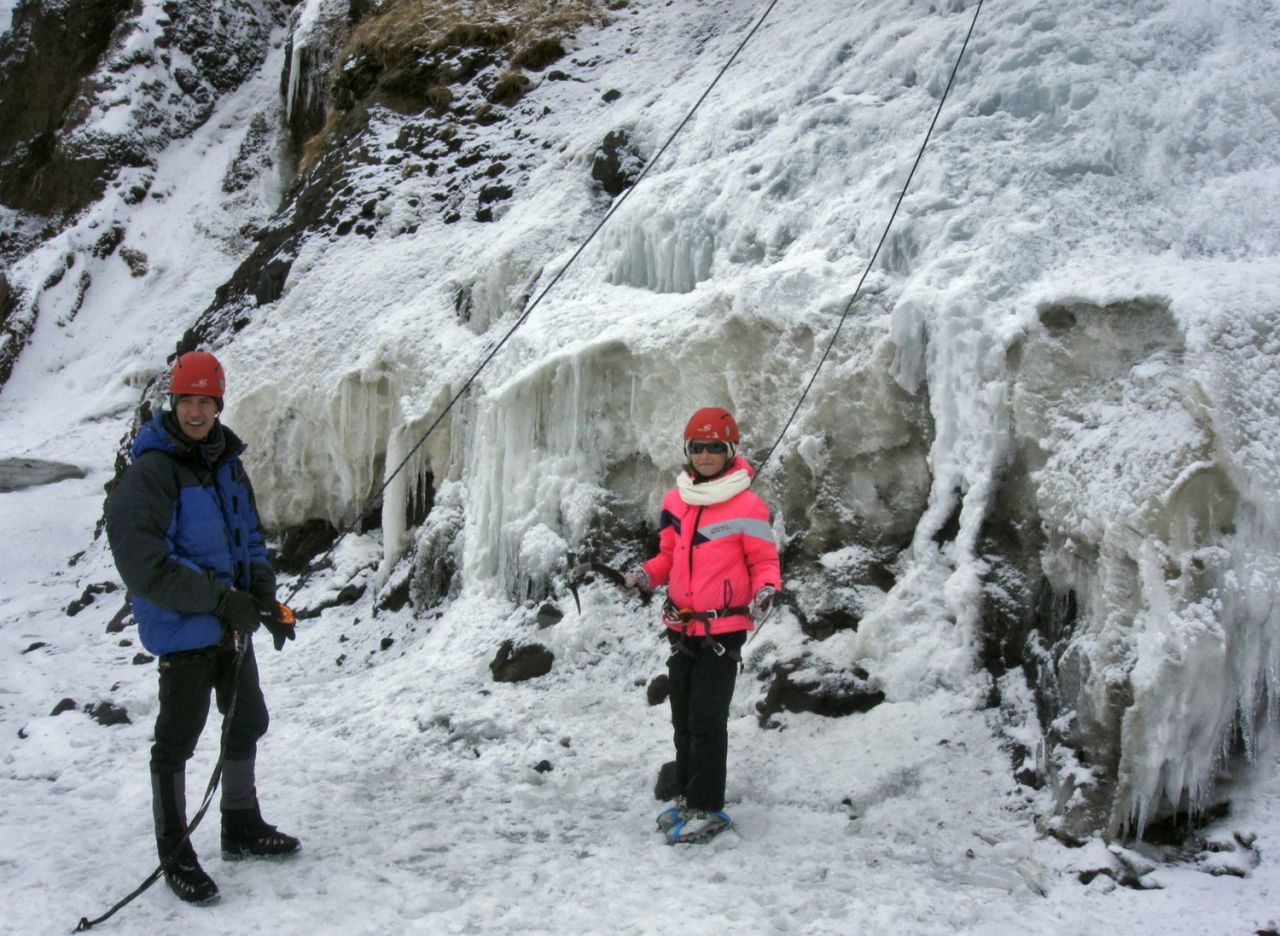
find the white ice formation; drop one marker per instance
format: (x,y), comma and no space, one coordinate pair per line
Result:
(1059,379)
(1070,321)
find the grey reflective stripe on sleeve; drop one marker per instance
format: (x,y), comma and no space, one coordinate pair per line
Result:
(744,525)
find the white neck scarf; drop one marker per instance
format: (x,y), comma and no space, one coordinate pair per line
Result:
(716,491)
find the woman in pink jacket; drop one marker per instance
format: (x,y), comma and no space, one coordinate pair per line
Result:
(718,559)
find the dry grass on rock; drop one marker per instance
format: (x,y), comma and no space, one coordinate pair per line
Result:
(529,32)
(414,55)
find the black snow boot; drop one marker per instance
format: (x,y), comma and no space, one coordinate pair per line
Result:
(182,871)
(246,835)
(186,878)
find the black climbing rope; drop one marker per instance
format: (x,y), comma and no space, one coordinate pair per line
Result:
(369,504)
(87,924)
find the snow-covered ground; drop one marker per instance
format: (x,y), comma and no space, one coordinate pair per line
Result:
(1093,154)
(411,778)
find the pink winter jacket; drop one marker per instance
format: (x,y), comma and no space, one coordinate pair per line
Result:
(715,556)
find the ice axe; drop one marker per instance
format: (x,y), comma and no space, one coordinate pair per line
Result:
(579,573)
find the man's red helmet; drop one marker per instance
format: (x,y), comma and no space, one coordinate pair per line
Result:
(198,373)
(713,423)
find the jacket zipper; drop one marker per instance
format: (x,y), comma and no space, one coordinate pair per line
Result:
(692,536)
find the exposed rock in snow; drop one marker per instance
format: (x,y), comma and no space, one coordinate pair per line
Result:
(516,664)
(18,473)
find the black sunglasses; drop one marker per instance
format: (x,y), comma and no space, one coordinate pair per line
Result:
(714,448)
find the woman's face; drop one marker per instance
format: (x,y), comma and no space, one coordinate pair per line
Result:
(708,458)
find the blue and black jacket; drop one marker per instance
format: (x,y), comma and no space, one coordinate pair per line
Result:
(184,528)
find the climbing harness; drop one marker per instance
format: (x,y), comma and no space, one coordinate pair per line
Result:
(687,620)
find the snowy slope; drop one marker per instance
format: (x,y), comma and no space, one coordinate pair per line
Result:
(1094,159)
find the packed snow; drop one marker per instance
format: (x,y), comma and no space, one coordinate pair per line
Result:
(1095,211)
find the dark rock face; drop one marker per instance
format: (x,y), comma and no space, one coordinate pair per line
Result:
(302,544)
(617,163)
(833,695)
(442,82)
(62,63)
(14,330)
(48,52)
(513,664)
(90,91)
(224,41)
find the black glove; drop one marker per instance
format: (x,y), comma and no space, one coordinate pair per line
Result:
(238,611)
(272,615)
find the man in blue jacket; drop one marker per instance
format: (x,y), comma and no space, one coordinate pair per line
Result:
(183,528)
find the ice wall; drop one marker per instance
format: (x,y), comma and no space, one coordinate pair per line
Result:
(316,36)
(1132,432)
(538,451)
(665,253)
(1067,336)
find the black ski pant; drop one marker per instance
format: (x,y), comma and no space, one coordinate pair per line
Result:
(702,684)
(186,680)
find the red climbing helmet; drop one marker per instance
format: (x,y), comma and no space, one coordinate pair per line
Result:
(714,423)
(198,373)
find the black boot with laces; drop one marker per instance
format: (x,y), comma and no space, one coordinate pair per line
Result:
(185,877)
(246,835)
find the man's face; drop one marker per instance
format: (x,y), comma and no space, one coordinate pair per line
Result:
(196,415)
